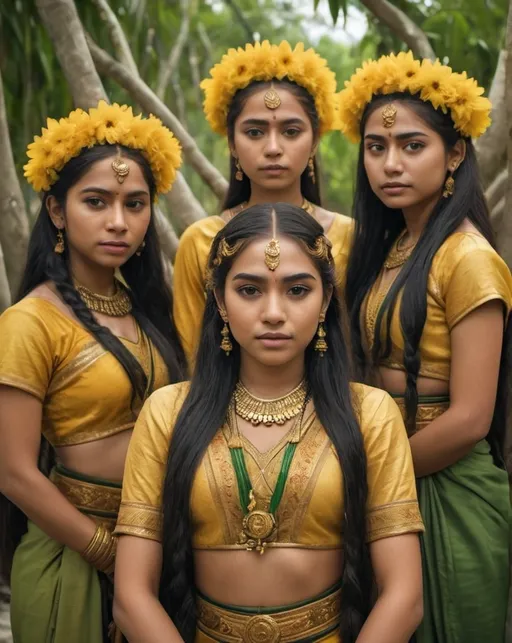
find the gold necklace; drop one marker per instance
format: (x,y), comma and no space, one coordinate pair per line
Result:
(397,257)
(306,205)
(276,411)
(116,305)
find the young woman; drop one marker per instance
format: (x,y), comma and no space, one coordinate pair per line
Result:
(268,504)
(273,103)
(81,351)
(429,299)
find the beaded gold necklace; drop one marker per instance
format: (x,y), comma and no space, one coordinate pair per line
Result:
(116,305)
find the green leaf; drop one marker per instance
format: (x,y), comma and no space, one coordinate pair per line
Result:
(334,6)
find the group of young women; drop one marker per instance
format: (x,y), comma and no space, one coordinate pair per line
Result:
(234,449)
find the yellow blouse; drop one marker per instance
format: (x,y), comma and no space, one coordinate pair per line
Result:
(85,392)
(190,269)
(311,509)
(466,272)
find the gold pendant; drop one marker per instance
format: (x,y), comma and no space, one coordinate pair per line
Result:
(258,526)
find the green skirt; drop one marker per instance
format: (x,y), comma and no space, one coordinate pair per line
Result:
(56,597)
(465,548)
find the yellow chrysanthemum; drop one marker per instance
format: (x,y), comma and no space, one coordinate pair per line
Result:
(263,61)
(105,124)
(436,83)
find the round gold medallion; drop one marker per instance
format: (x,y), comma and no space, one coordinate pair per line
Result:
(262,629)
(259,525)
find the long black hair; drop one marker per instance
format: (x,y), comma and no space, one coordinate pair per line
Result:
(240,191)
(151,301)
(377,227)
(205,409)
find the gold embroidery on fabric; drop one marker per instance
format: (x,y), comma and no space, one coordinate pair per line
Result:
(426,413)
(394,518)
(216,495)
(89,354)
(87,495)
(85,435)
(300,623)
(138,519)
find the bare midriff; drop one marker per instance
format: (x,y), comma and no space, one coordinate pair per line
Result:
(280,576)
(394,381)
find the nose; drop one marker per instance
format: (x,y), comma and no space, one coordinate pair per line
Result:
(393,161)
(273,147)
(274,312)
(116,218)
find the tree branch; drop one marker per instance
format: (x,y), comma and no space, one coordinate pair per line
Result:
(206,42)
(402,26)
(491,148)
(168,238)
(14,228)
(140,92)
(62,22)
(183,204)
(167,70)
(497,190)
(505,231)
(241,19)
(117,35)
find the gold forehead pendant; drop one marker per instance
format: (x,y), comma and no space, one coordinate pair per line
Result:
(121,168)
(271,98)
(389,115)
(272,254)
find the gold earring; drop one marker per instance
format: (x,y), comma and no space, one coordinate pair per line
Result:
(59,246)
(321,344)
(239,175)
(226,344)
(140,248)
(449,187)
(311,166)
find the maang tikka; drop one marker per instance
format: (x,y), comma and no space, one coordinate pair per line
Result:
(272,249)
(271,98)
(121,168)
(389,115)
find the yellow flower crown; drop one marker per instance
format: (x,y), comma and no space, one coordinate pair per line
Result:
(434,82)
(106,124)
(263,61)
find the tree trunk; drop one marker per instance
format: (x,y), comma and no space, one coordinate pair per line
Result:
(62,22)
(14,228)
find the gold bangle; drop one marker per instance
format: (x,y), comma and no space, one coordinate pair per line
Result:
(101,550)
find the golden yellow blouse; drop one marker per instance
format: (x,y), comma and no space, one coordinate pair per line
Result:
(190,271)
(85,392)
(311,509)
(466,272)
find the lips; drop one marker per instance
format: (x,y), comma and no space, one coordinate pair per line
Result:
(117,244)
(274,336)
(394,185)
(273,168)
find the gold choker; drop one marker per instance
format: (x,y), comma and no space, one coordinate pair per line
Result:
(276,411)
(116,305)
(397,257)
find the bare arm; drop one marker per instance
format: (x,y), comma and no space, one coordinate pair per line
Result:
(399,608)
(23,483)
(476,343)
(137,610)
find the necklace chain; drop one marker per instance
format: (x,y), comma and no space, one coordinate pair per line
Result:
(396,256)
(276,411)
(116,305)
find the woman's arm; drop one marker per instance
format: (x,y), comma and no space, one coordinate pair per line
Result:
(23,483)
(476,343)
(399,608)
(137,610)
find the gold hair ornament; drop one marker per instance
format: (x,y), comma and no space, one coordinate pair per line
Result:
(121,168)
(431,81)
(265,62)
(389,115)
(62,140)
(271,98)
(272,254)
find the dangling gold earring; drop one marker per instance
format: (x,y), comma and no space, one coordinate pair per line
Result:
(321,344)
(449,187)
(59,246)
(311,166)
(239,174)
(226,344)
(140,248)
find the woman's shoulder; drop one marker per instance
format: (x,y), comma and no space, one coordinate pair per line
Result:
(374,407)
(40,307)
(166,402)
(203,230)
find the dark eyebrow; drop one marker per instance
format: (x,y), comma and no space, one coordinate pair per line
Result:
(245,276)
(262,122)
(399,137)
(109,193)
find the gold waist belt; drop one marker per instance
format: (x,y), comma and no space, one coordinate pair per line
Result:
(98,498)
(427,411)
(307,621)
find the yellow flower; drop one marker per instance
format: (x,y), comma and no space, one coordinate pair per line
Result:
(114,124)
(435,83)
(263,61)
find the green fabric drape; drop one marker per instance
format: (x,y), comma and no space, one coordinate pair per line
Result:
(465,550)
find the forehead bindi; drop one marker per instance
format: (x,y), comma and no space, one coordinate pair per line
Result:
(288,109)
